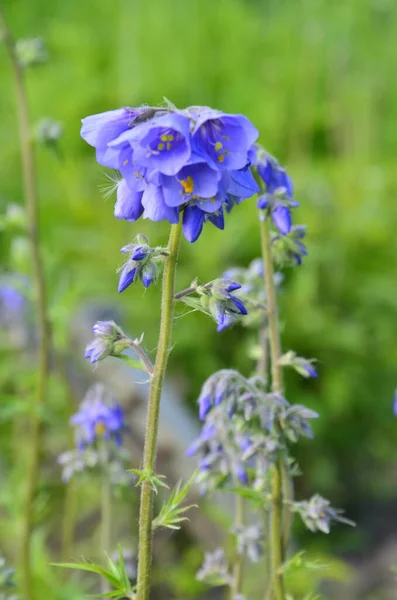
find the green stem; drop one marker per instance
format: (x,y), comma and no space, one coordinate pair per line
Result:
(30,193)
(149,455)
(105,528)
(276,536)
(238,562)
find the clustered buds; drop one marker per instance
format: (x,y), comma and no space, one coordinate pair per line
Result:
(216,299)
(303,366)
(244,427)
(144,263)
(289,249)
(277,199)
(109,340)
(317,513)
(215,569)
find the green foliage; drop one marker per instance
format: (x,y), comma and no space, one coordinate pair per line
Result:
(115,574)
(307,75)
(147,475)
(171,512)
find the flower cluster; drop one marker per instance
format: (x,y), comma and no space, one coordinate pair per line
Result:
(244,426)
(317,513)
(194,160)
(109,340)
(98,418)
(216,299)
(288,250)
(278,197)
(144,263)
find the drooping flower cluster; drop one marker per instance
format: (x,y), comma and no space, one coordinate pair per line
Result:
(109,340)
(194,160)
(318,514)
(144,263)
(98,418)
(278,196)
(244,427)
(217,299)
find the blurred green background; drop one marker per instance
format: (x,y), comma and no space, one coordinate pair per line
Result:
(318,80)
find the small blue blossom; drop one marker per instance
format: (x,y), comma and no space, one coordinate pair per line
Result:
(97,419)
(109,340)
(278,198)
(289,249)
(12,300)
(395,403)
(194,161)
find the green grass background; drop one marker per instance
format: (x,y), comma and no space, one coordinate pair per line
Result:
(318,80)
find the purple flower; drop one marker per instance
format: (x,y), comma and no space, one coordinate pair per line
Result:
(310,370)
(204,403)
(129,203)
(161,144)
(127,277)
(193,161)
(12,302)
(97,419)
(282,219)
(109,340)
(193,181)
(395,403)
(101,129)
(223,139)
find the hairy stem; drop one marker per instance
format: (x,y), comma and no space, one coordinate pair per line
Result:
(149,456)
(105,527)
(238,560)
(276,534)
(30,193)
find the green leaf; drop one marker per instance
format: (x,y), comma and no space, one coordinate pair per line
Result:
(131,362)
(148,475)
(171,512)
(91,568)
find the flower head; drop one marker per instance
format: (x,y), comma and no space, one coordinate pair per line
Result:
(193,161)
(318,514)
(109,340)
(98,418)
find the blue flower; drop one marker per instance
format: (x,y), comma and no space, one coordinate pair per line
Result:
(12,302)
(279,189)
(193,161)
(223,139)
(395,403)
(97,419)
(109,340)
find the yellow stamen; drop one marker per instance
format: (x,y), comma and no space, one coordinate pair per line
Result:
(169,145)
(160,146)
(218,146)
(188,185)
(221,158)
(100,428)
(125,162)
(167,137)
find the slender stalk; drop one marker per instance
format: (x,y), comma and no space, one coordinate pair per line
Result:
(149,455)
(238,561)
(276,534)
(30,193)
(186,292)
(106,521)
